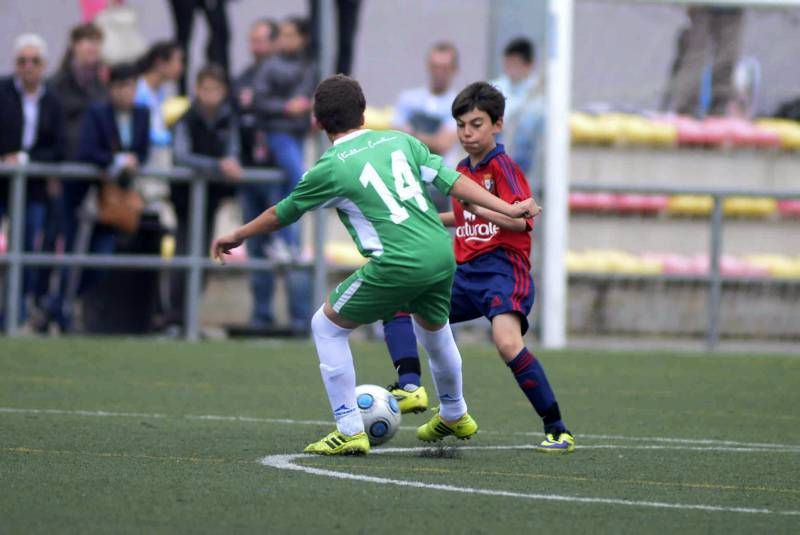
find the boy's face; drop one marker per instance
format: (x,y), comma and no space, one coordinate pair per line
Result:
(210,93)
(122,93)
(516,68)
(476,131)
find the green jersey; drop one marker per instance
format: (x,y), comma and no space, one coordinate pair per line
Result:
(376,181)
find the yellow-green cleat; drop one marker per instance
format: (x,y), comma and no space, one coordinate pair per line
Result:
(437,429)
(414,400)
(558,442)
(336,443)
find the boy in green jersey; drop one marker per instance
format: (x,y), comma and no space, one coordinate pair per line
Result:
(375,182)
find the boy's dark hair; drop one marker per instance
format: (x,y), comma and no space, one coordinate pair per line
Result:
(481,96)
(211,71)
(446,46)
(521,47)
(122,72)
(339,104)
(160,51)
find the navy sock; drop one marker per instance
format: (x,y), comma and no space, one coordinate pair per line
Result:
(532,380)
(402,344)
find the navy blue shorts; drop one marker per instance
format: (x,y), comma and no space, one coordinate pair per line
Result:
(493,283)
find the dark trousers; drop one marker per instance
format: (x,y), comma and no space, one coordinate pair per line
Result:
(713,35)
(347,19)
(218,30)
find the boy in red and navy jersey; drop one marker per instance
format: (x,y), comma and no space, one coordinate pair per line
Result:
(493,277)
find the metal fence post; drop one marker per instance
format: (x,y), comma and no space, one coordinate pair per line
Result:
(15,249)
(714,275)
(194,280)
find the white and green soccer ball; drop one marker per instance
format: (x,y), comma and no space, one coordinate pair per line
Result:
(379,411)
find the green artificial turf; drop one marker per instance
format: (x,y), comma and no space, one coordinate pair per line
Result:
(133,436)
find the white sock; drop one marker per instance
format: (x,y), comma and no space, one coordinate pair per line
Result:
(338,374)
(445,363)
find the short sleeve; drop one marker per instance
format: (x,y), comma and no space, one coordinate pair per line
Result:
(431,166)
(402,111)
(314,189)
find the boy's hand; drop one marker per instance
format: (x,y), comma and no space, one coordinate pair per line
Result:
(223,246)
(230,168)
(527,208)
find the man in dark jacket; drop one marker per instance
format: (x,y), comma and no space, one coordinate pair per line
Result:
(284,85)
(32,129)
(255,198)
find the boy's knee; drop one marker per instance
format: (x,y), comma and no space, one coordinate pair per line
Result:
(323,327)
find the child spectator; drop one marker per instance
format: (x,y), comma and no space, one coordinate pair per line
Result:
(206,140)
(114,137)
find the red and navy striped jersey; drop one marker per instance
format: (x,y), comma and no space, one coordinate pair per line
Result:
(475,236)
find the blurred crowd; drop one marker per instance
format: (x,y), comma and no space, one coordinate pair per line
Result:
(117,103)
(119,108)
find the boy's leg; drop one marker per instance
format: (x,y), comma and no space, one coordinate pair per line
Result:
(398,333)
(331,333)
(444,360)
(527,370)
(507,294)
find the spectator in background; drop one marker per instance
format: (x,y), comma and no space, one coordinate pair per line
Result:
(284,86)
(255,198)
(115,138)
(206,140)
(162,64)
(424,112)
(218,31)
(714,34)
(32,129)
(79,81)
(523,122)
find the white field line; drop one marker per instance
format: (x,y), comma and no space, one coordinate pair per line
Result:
(287,462)
(679,443)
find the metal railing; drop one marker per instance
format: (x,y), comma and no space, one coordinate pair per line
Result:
(195,262)
(714,277)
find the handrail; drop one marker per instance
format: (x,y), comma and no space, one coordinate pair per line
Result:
(195,262)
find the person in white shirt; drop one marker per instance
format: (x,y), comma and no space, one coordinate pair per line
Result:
(424,112)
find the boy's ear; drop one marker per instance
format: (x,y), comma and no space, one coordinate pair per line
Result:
(362,119)
(499,123)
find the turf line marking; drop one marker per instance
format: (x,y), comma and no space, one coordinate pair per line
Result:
(725,445)
(287,462)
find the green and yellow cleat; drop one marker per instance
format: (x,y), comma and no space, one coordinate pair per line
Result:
(558,442)
(415,400)
(337,443)
(436,429)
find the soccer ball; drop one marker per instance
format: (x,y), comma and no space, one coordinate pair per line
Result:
(379,411)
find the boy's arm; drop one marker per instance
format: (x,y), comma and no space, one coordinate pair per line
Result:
(265,223)
(448,219)
(518,224)
(465,189)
